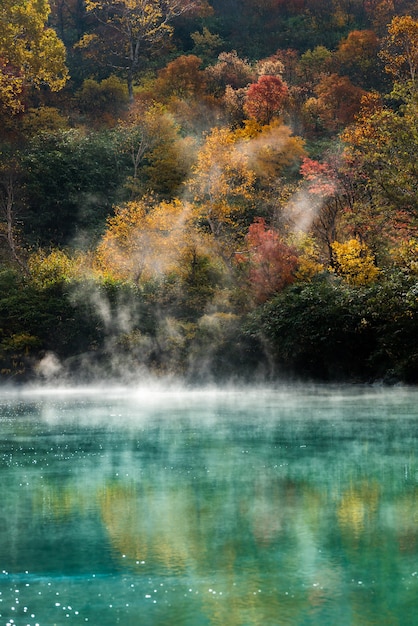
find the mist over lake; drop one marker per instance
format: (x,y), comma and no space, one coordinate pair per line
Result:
(165,505)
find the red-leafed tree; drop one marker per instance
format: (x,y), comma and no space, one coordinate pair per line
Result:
(338,100)
(266,98)
(271,262)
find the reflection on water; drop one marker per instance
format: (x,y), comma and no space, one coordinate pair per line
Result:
(201,508)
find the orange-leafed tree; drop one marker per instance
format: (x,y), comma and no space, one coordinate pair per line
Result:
(265,99)
(357,56)
(338,101)
(181,78)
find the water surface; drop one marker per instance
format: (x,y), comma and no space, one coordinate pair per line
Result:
(200,508)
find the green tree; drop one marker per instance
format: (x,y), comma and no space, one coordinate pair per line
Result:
(70,180)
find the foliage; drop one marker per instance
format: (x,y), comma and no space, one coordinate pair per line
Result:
(191,137)
(400,51)
(316,330)
(47,269)
(357,56)
(271,263)
(265,98)
(354,262)
(70,180)
(102,100)
(133,28)
(383,144)
(181,78)
(222,181)
(207,45)
(31,54)
(159,156)
(145,241)
(338,101)
(230,70)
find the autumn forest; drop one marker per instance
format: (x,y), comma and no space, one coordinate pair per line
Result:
(209,190)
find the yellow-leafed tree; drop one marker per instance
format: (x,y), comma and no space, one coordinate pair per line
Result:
(354,262)
(143,241)
(31,54)
(222,184)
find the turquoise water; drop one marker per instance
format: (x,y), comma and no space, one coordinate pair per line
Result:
(252,507)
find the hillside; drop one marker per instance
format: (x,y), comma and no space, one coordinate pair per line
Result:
(209,190)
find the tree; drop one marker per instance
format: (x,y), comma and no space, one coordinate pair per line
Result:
(271,262)
(272,149)
(206,44)
(31,54)
(338,101)
(146,240)
(230,70)
(221,183)
(102,101)
(382,145)
(70,179)
(159,155)
(181,78)
(9,174)
(400,50)
(314,63)
(354,262)
(330,195)
(358,59)
(130,29)
(265,98)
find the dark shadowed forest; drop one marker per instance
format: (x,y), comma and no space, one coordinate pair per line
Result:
(209,190)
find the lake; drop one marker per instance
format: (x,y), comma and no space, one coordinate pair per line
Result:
(161,506)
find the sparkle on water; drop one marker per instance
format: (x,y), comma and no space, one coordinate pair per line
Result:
(245,507)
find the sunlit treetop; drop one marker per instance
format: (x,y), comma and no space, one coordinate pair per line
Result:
(31,54)
(400,51)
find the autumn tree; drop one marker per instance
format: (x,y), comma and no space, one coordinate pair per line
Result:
(265,98)
(338,101)
(270,261)
(160,157)
(327,194)
(230,70)
(383,145)
(145,240)
(354,262)
(130,29)
(182,78)
(31,54)
(221,185)
(357,57)
(273,151)
(400,50)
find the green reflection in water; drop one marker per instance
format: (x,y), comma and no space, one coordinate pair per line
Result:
(196,508)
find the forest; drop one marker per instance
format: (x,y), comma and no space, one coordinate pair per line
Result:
(207,190)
